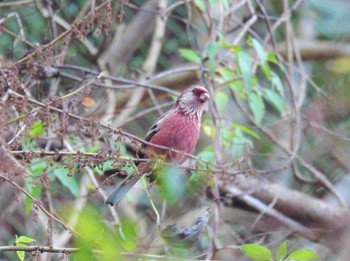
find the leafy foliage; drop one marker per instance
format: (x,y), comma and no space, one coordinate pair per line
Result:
(94,234)
(261,253)
(21,242)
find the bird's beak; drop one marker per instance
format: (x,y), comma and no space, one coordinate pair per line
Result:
(204,97)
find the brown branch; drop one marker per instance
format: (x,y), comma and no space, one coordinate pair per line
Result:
(316,50)
(122,48)
(321,221)
(38,204)
(130,83)
(42,249)
(68,250)
(262,206)
(313,212)
(4,29)
(14,3)
(318,174)
(58,38)
(8,163)
(148,67)
(218,170)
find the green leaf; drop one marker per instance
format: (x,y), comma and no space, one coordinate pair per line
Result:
(200,4)
(235,48)
(21,242)
(227,73)
(37,129)
(277,83)
(37,168)
(128,234)
(303,255)
(212,50)
(190,55)
(107,165)
(20,255)
(257,252)
(197,182)
(129,245)
(227,45)
(209,130)
(35,20)
(25,240)
(237,86)
(245,67)
(262,57)
(227,136)
(207,154)
(275,99)
(246,130)
(95,148)
(128,229)
(238,144)
(69,182)
(281,251)
(257,106)
(221,100)
(35,191)
(226,4)
(94,234)
(272,57)
(172,182)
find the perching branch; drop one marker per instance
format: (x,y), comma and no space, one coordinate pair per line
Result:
(70,250)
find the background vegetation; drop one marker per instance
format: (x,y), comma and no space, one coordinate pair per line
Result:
(82,81)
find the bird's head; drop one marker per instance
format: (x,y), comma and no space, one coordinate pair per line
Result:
(193,100)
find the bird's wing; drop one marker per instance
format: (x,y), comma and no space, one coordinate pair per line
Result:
(152,131)
(156,126)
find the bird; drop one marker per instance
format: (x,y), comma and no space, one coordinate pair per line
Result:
(177,129)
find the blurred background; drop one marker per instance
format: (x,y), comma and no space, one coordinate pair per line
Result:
(81,82)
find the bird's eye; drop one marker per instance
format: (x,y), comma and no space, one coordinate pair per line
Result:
(194,90)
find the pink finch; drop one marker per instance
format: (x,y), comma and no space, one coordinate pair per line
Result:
(177,129)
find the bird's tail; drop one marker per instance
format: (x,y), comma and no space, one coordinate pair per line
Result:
(119,192)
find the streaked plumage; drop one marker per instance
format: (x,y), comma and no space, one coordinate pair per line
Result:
(178,129)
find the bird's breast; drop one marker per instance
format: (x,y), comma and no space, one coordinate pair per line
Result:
(179,132)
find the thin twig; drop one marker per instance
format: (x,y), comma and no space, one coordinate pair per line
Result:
(38,204)
(60,37)
(70,250)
